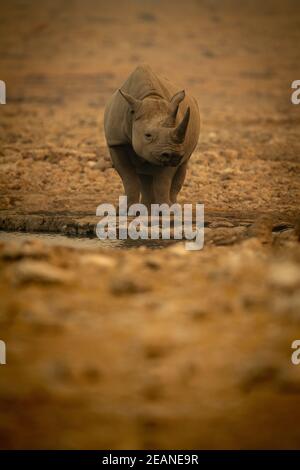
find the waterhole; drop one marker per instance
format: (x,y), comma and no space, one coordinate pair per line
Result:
(83,242)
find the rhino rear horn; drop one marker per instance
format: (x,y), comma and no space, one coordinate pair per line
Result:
(176,100)
(174,104)
(180,131)
(134,103)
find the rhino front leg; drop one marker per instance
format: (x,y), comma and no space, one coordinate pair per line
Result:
(121,160)
(147,190)
(162,185)
(178,181)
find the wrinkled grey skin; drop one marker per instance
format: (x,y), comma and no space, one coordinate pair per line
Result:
(151,130)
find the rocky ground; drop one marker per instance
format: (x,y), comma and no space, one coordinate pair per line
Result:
(142,348)
(150,348)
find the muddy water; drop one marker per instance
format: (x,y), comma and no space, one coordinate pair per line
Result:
(79,242)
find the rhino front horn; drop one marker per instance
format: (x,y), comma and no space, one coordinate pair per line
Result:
(133,102)
(180,131)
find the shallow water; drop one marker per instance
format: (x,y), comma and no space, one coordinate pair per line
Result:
(79,242)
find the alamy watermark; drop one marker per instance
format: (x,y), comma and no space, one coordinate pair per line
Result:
(163,222)
(295,98)
(2,352)
(2,92)
(295,358)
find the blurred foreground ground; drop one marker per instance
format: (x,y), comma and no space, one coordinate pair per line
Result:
(141,348)
(150,348)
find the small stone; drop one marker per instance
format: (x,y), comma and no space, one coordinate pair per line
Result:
(152,387)
(197,313)
(29,249)
(155,350)
(230,154)
(148,17)
(228,171)
(225,236)
(258,374)
(92,374)
(41,272)
(11,251)
(289,380)
(212,136)
(178,249)
(153,263)
(124,285)
(101,261)
(284,274)
(288,304)
(102,165)
(221,223)
(60,371)
(297,229)
(261,229)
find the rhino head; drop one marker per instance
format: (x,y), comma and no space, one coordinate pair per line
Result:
(155,135)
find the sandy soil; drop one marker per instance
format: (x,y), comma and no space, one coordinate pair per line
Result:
(143,348)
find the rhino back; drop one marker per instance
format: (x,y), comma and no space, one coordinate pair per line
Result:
(144,82)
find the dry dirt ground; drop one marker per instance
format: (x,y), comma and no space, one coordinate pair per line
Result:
(150,348)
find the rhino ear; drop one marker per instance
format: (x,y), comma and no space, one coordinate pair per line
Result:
(133,102)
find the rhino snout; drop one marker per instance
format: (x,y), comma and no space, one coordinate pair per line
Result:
(170,158)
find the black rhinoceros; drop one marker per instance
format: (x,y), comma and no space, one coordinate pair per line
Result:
(151,130)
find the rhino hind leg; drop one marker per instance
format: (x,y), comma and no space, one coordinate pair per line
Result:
(177,182)
(120,156)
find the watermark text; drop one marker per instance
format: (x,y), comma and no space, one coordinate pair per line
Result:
(2,92)
(295,358)
(2,352)
(295,97)
(162,222)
